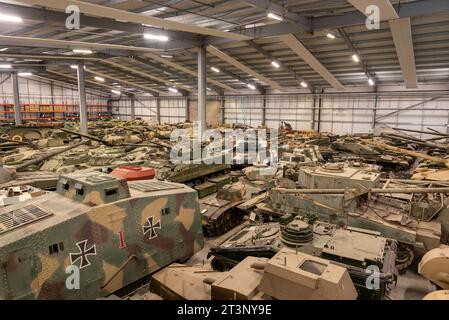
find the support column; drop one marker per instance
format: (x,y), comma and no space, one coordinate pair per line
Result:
(187,108)
(222,109)
(133,108)
(158,109)
(264,110)
(376,102)
(320,104)
(82,98)
(312,125)
(15,88)
(202,88)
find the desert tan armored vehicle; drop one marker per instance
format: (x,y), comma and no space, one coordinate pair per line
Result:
(434,266)
(106,232)
(356,249)
(291,275)
(357,196)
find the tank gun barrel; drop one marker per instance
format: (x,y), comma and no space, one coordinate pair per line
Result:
(405,151)
(380,191)
(46,156)
(88,136)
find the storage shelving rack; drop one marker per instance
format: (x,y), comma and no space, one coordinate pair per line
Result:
(53,112)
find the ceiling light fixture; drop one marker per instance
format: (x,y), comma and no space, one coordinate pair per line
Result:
(83,51)
(215,69)
(303,84)
(356,58)
(10,18)
(275,64)
(167,56)
(330,36)
(251,86)
(274,16)
(173,90)
(24,74)
(116,92)
(371,82)
(156,37)
(100,79)
(5,66)
(3,49)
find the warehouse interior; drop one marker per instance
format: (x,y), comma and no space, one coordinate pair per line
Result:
(326,123)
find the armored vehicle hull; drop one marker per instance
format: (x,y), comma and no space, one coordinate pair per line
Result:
(96,235)
(355,249)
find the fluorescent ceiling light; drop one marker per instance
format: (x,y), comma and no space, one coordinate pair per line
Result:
(156,37)
(209,89)
(304,84)
(5,66)
(356,58)
(330,36)
(83,51)
(275,64)
(25,74)
(10,18)
(3,49)
(275,17)
(167,56)
(215,69)
(252,87)
(371,82)
(116,92)
(99,79)
(74,66)
(173,89)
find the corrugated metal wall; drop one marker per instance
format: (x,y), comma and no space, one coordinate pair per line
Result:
(173,109)
(343,113)
(37,92)
(340,113)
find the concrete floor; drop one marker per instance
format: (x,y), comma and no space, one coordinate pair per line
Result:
(410,285)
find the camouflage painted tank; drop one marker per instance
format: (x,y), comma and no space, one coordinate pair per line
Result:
(114,232)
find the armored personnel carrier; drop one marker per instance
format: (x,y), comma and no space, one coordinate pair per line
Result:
(111,233)
(356,249)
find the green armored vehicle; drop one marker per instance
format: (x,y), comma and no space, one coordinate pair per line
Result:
(360,251)
(110,232)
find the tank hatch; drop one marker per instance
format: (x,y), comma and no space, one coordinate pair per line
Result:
(92,188)
(155,185)
(17,218)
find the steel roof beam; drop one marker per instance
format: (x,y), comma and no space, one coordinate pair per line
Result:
(46,15)
(89,81)
(407,10)
(123,15)
(401,30)
(269,6)
(227,58)
(296,46)
(270,57)
(177,66)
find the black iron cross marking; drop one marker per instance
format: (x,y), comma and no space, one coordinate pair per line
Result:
(150,227)
(83,253)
